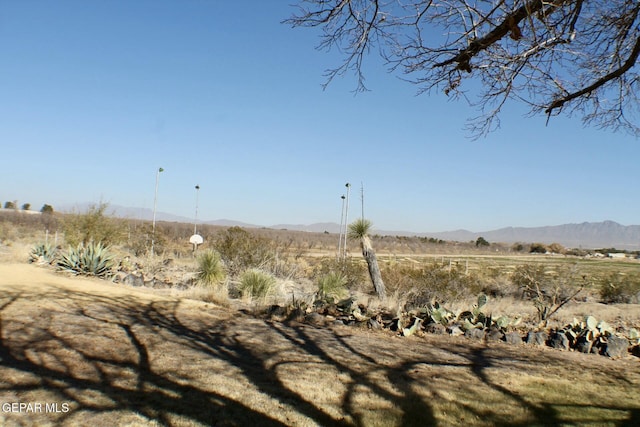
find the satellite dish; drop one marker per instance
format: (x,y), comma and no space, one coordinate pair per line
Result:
(196,239)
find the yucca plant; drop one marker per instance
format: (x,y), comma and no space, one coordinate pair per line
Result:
(332,285)
(210,268)
(92,259)
(257,284)
(44,252)
(360,229)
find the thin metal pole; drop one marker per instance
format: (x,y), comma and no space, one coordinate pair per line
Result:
(195,223)
(362,198)
(155,205)
(346,220)
(341,227)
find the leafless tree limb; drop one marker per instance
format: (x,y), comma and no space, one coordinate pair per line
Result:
(557,56)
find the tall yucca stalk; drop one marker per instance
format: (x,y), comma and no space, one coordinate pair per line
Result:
(359,229)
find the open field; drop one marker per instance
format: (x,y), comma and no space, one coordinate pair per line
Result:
(108,354)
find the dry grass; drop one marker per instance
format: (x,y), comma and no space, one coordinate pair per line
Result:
(118,356)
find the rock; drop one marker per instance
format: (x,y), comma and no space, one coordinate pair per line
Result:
(559,340)
(277,311)
(616,347)
(435,328)
(373,324)
(583,345)
(513,338)
(537,338)
(119,277)
(314,319)
(475,333)
(133,280)
(455,331)
(494,335)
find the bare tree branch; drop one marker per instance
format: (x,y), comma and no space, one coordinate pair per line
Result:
(557,56)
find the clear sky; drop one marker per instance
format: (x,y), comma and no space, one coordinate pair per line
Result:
(95,96)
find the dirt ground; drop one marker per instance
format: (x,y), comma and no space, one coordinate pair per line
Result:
(77,352)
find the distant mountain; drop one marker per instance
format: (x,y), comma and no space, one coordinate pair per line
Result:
(606,234)
(588,235)
(318,227)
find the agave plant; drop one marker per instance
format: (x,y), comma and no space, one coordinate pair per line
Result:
(43,253)
(92,259)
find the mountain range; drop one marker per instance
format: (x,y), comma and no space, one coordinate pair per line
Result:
(605,234)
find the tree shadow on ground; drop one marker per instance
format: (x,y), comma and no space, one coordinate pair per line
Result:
(113,359)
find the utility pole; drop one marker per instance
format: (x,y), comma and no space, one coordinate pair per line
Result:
(195,222)
(341,228)
(155,205)
(196,239)
(346,220)
(362,197)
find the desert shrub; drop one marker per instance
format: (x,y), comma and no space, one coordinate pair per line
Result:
(241,250)
(548,289)
(620,288)
(210,268)
(332,285)
(538,248)
(256,284)
(433,281)
(557,248)
(44,252)
(517,247)
(93,226)
(352,271)
(481,241)
(92,259)
(139,239)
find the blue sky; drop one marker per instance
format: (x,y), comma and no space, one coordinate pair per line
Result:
(95,96)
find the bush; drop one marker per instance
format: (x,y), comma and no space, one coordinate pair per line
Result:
(241,250)
(352,271)
(434,281)
(538,248)
(92,259)
(548,289)
(256,284)
(481,241)
(93,226)
(620,288)
(332,286)
(210,268)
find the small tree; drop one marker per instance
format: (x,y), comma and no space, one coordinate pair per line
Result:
(26,206)
(46,209)
(359,229)
(481,241)
(9,205)
(538,248)
(94,225)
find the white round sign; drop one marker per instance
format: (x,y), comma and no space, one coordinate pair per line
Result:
(196,239)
